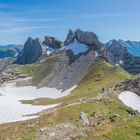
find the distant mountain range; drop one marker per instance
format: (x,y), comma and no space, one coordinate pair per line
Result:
(132,46)
(10,50)
(125,54)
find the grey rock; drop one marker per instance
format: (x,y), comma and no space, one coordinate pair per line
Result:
(65,75)
(132,85)
(88,38)
(117,54)
(53,42)
(132,112)
(31,52)
(70,37)
(84,117)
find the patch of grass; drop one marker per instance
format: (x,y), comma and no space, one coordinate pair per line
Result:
(66,115)
(27,69)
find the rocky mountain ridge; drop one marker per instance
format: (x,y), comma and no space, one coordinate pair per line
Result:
(79,43)
(118,54)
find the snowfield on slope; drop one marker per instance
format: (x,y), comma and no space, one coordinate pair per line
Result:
(130,99)
(11,109)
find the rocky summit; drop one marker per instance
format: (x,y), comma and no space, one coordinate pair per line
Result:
(88,38)
(53,42)
(31,52)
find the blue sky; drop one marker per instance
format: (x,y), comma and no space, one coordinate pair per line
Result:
(109,19)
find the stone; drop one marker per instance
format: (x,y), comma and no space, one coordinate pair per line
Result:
(84,117)
(31,126)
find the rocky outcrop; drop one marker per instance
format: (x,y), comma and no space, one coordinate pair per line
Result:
(70,37)
(84,118)
(118,54)
(88,38)
(129,85)
(53,42)
(31,52)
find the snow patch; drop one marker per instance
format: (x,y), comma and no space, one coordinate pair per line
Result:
(130,99)
(77,47)
(11,109)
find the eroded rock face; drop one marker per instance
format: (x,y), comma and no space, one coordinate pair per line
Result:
(88,38)
(31,52)
(53,42)
(118,54)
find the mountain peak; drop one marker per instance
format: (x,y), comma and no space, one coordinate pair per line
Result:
(85,37)
(53,42)
(32,50)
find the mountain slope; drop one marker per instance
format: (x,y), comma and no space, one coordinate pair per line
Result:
(118,54)
(132,46)
(100,75)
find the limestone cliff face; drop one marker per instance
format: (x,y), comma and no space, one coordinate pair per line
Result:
(31,52)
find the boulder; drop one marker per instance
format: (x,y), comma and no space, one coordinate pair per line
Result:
(84,118)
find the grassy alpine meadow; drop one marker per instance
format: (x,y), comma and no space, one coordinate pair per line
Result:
(101,75)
